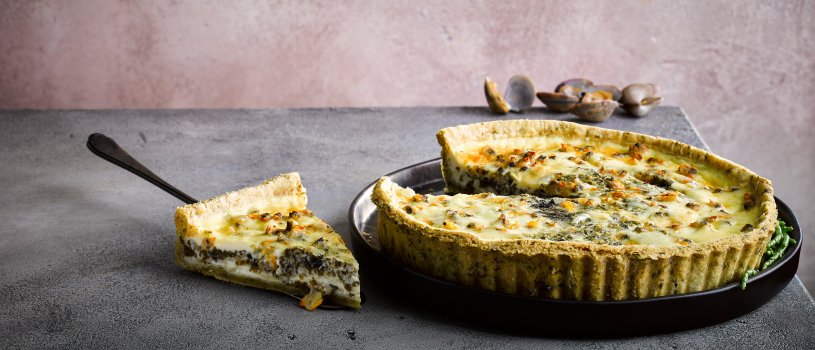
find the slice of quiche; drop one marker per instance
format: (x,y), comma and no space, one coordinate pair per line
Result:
(265,237)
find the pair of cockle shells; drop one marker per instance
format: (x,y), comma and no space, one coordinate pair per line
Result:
(578,96)
(583,98)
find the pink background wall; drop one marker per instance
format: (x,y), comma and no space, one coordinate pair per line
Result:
(744,72)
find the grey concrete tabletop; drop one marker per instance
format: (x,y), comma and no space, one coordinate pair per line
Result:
(86,249)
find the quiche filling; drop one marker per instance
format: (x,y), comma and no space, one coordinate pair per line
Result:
(265,237)
(291,246)
(602,193)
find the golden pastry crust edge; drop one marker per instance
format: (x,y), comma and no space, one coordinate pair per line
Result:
(573,270)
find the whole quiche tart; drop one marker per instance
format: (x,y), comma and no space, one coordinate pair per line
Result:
(566,211)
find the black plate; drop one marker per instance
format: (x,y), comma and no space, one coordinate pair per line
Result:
(556,317)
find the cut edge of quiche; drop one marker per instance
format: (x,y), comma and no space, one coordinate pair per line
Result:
(564,269)
(265,237)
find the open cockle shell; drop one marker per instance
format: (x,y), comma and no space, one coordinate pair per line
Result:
(519,96)
(610,92)
(590,102)
(635,93)
(558,101)
(520,93)
(494,99)
(639,99)
(573,87)
(594,109)
(566,95)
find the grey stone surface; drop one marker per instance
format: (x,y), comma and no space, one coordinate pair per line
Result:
(86,249)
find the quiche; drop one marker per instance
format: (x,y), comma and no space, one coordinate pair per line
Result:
(265,237)
(565,211)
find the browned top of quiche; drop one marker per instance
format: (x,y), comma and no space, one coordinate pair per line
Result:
(609,187)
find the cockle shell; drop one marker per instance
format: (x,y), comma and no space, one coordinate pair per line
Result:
(519,96)
(589,102)
(494,99)
(520,93)
(639,99)
(558,101)
(594,110)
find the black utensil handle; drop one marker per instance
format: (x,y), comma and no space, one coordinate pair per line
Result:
(109,150)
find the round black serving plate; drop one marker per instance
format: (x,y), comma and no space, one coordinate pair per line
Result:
(561,318)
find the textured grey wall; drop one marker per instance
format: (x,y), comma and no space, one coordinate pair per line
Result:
(744,71)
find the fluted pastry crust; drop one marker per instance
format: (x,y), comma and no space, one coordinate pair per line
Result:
(573,270)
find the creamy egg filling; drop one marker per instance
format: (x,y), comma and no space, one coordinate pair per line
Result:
(294,247)
(603,193)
